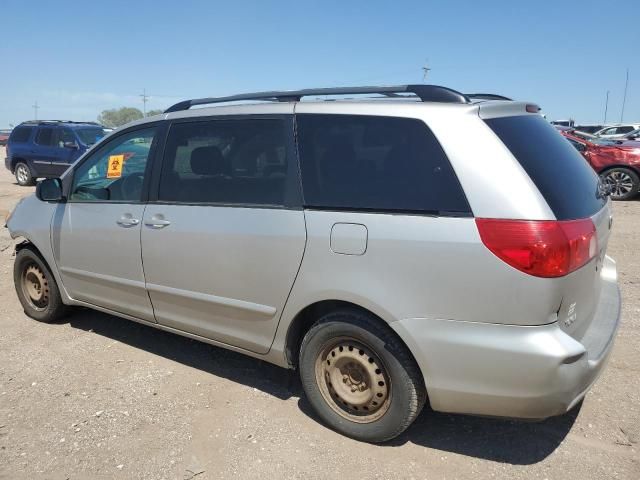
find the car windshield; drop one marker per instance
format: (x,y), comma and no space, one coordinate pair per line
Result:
(90,135)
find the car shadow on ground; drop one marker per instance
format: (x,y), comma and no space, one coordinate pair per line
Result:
(507,441)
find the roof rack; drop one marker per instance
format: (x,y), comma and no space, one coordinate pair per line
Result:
(44,122)
(426,93)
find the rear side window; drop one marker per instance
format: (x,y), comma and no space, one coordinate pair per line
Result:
(21,134)
(562,175)
(357,162)
(235,162)
(45,137)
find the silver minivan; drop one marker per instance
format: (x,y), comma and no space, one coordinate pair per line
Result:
(416,245)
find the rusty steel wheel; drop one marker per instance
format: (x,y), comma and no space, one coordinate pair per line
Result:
(35,287)
(359,377)
(353,380)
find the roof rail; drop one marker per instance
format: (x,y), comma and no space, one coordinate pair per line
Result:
(426,93)
(487,96)
(43,122)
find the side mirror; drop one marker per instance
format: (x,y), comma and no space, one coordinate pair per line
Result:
(73,145)
(49,190)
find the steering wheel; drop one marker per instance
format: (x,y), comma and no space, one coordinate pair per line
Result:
(131,186)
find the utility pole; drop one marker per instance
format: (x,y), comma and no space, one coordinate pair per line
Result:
(624,98)
(35,109)
(426,69)
(606,107)
(145,99)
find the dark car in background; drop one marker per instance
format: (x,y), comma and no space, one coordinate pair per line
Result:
(4,136)
(46,148)
(617,163)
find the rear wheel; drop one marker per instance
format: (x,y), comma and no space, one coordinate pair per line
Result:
(623,183)
(36,287)
(23,174)
(359,377)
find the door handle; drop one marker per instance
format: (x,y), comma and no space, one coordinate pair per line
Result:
(127,222)
(157,223)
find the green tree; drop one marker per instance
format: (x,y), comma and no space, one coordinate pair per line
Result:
(151,113)
(119,116)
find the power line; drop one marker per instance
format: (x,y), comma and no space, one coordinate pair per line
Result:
(624,98)
(145,99)
(425,69)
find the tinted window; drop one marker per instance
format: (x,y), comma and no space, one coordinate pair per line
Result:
(21,134)
(90,135)
(563,177)
(225,161)
(114,172)
(376,163)
(624,129)
(45,136)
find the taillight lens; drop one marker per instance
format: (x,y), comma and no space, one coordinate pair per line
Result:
(543,248)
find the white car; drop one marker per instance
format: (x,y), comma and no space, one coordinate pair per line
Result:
(617,131)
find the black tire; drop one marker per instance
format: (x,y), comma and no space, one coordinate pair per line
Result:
(32,274)
(624,182)
(379,360)
(23,174)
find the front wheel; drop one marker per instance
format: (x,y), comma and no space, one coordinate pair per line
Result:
(359,377)
(23,174)
(36,287)
(623,183)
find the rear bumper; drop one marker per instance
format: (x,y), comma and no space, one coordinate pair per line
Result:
(513,371)
(7,164)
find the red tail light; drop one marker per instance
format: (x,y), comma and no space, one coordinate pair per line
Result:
(543,248)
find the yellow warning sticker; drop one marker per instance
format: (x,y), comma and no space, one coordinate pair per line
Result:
(114,169)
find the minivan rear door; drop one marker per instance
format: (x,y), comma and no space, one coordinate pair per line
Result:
(224,238)
(573,191)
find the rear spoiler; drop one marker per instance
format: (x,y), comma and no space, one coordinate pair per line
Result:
(506,109)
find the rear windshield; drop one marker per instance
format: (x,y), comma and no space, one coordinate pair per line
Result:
(370,163)
(563,176)
(21,134)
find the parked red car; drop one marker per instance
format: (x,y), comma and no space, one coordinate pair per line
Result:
(4,136)
(617,163)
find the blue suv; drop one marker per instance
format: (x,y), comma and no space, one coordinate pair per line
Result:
(46,148)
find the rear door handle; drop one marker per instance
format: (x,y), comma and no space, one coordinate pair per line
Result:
(125,221)
(157,223)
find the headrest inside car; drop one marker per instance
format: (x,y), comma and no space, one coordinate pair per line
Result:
(209,161)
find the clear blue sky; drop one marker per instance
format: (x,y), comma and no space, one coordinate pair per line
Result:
(77,58)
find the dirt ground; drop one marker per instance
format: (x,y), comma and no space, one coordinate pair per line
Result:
(100,397)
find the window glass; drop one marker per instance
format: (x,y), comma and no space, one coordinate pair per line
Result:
(376,163)
(45,136)
(90,135)
(225,161)
(63,135)
(21,134)
(563,177)
(116,171)
(624,129)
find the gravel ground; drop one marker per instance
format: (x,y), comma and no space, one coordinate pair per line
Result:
(100,397)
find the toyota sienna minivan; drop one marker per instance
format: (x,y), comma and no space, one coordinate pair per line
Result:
(415,245)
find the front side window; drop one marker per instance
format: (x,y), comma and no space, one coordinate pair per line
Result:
(358,162)
(116,171)
(241,162)
(90,135)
